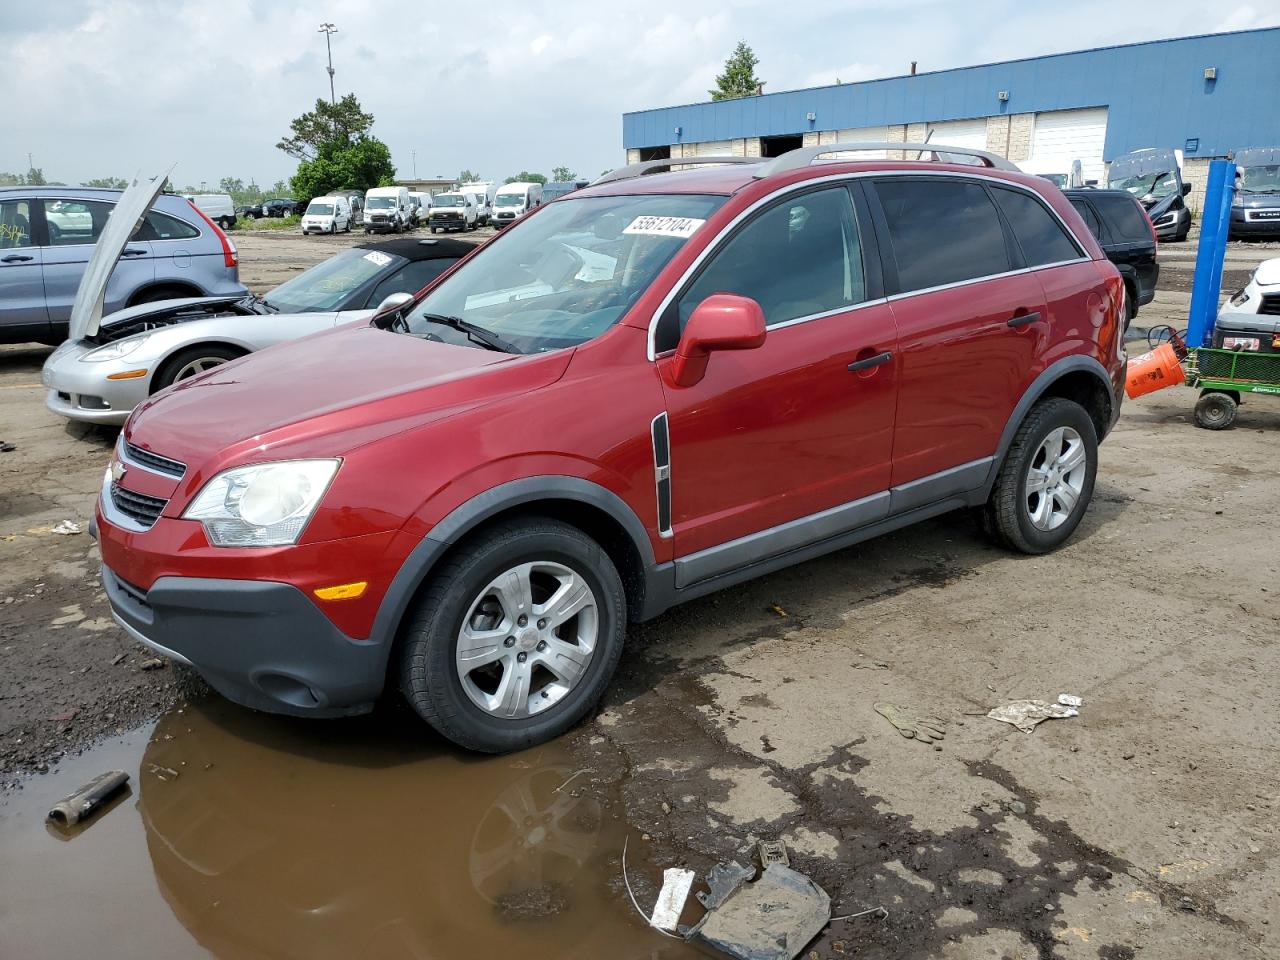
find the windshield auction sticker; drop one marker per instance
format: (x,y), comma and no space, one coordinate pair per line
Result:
(682,227)
(377,258)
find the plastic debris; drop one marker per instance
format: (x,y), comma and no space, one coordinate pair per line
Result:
(773,851)
(724,879)
(925,729)
(1025,714)
(778,610)
(154,663)
(6,447)
(66,528)
(1070,700)
(675,891)
(82,804)
(771,919)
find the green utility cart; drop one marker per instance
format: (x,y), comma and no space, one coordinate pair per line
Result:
(1223,375)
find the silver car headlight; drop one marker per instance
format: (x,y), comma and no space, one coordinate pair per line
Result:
(114,351)
(263,505)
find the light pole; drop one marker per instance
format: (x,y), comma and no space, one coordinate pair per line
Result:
(328,29)
(414,156)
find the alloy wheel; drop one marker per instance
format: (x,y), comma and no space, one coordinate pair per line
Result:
(527,639)
(1056,478)
(197,366)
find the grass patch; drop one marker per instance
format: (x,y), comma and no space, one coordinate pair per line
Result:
(269,223)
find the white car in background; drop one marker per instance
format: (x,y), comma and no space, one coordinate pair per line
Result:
(327,215)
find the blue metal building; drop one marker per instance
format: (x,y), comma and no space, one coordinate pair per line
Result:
(1206,95)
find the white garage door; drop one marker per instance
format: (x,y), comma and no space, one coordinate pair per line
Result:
(861,135)
(960,133)
(1066,135)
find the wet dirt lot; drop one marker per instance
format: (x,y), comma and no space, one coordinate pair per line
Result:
(1145,827)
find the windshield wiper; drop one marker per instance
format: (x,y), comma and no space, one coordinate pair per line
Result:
(477,334)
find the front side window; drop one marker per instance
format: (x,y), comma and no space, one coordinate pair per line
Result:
(798,258)
(942,231)
(75,221)
(15,224)
(1041,237)
(566,275)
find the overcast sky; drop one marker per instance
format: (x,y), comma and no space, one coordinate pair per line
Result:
(112,87)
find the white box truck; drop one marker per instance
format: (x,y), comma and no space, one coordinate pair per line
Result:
(513,200)
(482,191)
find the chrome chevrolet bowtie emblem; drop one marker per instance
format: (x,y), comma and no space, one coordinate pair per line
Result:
(118,470)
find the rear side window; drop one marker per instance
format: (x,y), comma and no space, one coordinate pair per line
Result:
(942,231)
(1042,238)
(1124,215)
(161,226)
(15,224)
(799,258)
(1090,218)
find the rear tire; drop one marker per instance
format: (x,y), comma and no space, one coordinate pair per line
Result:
(1044,487)
(462,598)
(1216,411)
(192,361)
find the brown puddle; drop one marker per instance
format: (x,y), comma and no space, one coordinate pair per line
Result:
(282,838)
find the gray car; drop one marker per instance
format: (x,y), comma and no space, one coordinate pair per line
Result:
(48,233)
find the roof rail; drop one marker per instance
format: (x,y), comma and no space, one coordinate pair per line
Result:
(801,158)
(648,166)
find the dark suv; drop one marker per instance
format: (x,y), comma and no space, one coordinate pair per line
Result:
(1124,231)
(280,207)
(651,389)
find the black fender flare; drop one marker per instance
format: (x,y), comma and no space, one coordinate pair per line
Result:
(469,515)
(1033,393)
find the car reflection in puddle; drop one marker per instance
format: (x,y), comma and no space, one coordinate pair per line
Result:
(366,838)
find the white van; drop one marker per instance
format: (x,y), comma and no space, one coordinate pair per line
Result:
(218,207)
(327,215)
(453,211)
(387,210)
(421,203)
(513,200)
(483,192)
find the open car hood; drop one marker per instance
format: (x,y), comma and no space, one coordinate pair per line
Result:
(86,312)
(1143,162)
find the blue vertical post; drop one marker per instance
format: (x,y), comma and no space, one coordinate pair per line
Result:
(1206,283)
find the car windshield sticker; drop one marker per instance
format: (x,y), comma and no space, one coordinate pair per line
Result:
(681,227)
(377,259)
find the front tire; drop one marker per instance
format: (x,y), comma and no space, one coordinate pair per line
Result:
(1046,480)
(192,362)
(516,636)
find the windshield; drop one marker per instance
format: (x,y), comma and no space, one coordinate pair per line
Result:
(567,273)
(1155,185)
(380,203)
(449,200)
(508,200)
(326,285)
(1260,179)
(320,210)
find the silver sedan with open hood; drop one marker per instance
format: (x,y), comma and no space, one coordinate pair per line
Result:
(113,363)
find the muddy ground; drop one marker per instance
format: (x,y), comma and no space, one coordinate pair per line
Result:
(1145,827)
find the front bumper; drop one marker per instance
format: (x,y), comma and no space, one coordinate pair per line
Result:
(1242,225)
(81,391)
(260,644)
(380,226)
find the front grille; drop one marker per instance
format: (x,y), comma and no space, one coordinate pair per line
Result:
(1270,305)
(153,461)
(137,506)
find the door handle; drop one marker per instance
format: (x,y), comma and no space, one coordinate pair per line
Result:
(134,253)
(17,258)
(870,362)
(1022,319)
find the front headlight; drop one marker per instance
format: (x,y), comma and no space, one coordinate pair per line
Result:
(263,505)
(114,351)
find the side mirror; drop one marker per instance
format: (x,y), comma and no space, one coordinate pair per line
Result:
(389,306)
(723,321)
(1186,189)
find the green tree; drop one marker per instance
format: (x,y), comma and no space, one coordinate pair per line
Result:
(231,185)
(10,179)
(739,78)
(562,174)
(524,176)
(366,163)
(467,176)
(35,178)
(108,183)
(326,128)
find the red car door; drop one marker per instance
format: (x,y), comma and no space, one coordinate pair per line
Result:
(970,323)
(786,431)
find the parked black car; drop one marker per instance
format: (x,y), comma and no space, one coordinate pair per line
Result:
(1123,230)
(250,211)
(280,207)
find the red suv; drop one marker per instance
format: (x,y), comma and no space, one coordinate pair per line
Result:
(656,387)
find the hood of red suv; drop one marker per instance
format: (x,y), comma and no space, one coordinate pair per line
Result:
(327,394)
